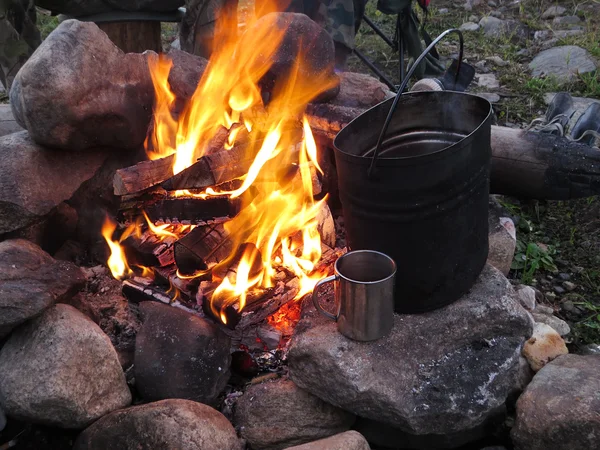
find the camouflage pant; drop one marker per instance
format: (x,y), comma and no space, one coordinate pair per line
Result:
(19,37)
(198,24)
(340,18)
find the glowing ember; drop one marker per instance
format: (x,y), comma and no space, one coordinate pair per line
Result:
(278,225)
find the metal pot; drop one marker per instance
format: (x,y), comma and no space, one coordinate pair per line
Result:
(425,202)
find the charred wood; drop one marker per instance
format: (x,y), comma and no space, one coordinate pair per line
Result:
(186,288)
(204,246)
(542,166)
(147,253)
(212,169)
(193,210)
(143,175)
(140,289)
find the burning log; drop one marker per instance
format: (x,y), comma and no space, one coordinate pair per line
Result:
(212,169)
(142,176)
(149,250)
(202,247)
(526,164)
(261,303)
(147,174)
(140,289)
(193,210)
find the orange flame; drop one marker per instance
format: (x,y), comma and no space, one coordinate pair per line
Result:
(117,263)
(229,94)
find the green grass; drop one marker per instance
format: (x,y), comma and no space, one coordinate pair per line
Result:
(565,232)
(46,24)
(532,254)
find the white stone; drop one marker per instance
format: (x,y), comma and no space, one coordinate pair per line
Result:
(526,297)
(553,12)
(469,26)
(488,81)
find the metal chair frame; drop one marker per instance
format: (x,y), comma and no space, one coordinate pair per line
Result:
(396,44)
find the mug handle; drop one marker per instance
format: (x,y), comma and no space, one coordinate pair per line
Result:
(315,297)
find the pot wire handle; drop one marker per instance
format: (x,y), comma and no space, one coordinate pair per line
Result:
(388,119)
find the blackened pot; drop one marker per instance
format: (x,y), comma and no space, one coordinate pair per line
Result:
(426,203)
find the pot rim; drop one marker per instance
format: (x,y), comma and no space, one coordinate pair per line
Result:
(412,160)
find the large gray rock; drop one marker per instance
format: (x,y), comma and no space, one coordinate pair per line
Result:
(436,373)
(560,409)
(179,355)
(34,180)
(276,415)
(185,74)
(301,36)
(31,281)
(350,440)
(383,436)
(564,63)
(169,424)
(79,91)
(359,90)
(61,370)
(86,7)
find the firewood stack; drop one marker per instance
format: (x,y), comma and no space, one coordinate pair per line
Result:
(197,239)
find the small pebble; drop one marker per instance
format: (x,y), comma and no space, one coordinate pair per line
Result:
(569,286)
(559,290)
(497,61)
(443,11)
(543,309)
(564,276)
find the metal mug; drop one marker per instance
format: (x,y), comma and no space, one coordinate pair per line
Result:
(364,294)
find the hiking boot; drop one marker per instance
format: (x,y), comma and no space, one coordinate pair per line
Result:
(556,120)
(587,127)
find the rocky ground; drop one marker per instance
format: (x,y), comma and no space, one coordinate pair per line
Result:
(519,50)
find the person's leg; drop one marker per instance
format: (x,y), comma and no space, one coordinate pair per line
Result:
(19,37)
(338,18)
(198,25)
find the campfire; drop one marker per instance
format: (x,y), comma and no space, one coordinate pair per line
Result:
(227,217)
